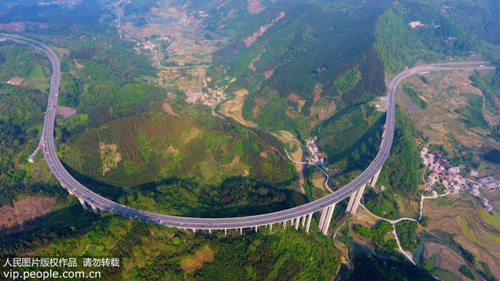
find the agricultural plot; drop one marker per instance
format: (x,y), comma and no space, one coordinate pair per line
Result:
(451,112)
(467,224)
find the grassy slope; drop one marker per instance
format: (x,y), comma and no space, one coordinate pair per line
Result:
(156,145)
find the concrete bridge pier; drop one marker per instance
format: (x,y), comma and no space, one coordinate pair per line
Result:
(357,200)
(304,220)
(83,204)
(297,223)
(375,178)
(94,208)
(270,227)
(326,223)
(351,201)
(322,218)
(256,229)
(225,231)
(241,231)
(32,157)
(209,231)
(308,224)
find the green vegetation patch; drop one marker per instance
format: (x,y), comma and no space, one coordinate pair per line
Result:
(348,81)
(472,114)
(465,270)
(314,44)
(56,18)
(430,263)
(407,234)
(454,33)
(284,255)
(490,88)
(370,267)
(351,139)
(378,236)
(414,95)
(234,197)
(157,146)
(403,168)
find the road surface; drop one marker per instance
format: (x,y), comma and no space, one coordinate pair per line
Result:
(104,204)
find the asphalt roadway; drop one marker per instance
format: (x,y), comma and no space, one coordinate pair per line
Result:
(104,204)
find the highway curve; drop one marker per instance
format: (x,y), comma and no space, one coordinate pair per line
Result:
(104,204)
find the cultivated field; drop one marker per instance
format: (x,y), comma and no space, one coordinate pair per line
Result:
(463,219)
(233,108)
(441,107)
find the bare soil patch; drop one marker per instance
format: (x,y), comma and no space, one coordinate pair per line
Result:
(79,66)
(249,41)
(20,216)
(65,111)
(445,258)
(168,109)
(109,156)
(255,7)
(13,26)
(233,108)
(318,180)
(246,173)
(194,262)
(16,81)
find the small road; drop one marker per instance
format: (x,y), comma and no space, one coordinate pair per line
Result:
(76,188)
(394,222)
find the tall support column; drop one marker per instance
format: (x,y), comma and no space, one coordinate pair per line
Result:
(375,178)
(225,231)
(309,222)
(359,195)
(83,203)
(94,208)
(284,224)
(328,219)
(270,227)
(209,231)
(322,218)
(194,230)
(304,220)
(241,231)
(297,223)
(351,201)
(70,192)
(256,229)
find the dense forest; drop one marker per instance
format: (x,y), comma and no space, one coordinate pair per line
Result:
(150,252)
(463,28)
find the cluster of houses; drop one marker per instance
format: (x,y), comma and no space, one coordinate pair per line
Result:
(317,157)
(441,171)
(205,98)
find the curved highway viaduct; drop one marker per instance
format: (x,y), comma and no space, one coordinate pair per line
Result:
(297,216)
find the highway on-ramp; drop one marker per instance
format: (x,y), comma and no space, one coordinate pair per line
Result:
(104,204)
